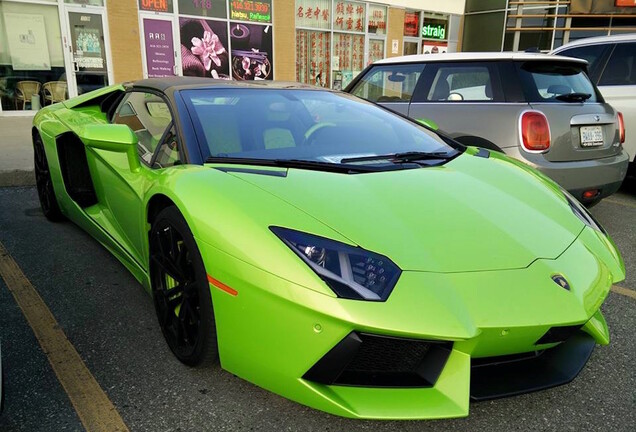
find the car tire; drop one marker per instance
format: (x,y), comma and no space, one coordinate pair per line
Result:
(44,183)
(180,290)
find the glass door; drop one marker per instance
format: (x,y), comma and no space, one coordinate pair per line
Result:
(87,47)
(411,46)
(159,54)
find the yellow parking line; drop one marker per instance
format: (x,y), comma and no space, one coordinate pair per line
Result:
(623,203)
(95,410)
(624,291)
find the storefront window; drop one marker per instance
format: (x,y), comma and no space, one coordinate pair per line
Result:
(411,24)
(313,56)
(348,58)
(377,19)
(356,31)
(434,34)
(376,50)
(31,56)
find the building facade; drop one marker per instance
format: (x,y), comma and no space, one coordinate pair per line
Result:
(51,50)
(508,25)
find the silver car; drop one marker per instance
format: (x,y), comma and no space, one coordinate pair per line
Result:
(612,67)
(538,108)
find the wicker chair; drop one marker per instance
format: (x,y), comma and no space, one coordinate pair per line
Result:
(24,90)
(54,91)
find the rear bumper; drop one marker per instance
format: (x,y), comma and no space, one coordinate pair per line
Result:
(576,177)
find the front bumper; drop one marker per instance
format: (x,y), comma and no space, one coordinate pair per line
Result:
(274,331)
(576,177)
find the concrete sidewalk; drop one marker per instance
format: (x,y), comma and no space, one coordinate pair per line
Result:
(16,151)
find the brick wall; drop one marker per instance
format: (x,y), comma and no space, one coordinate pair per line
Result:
(125,45)
(284,40)
(395,31)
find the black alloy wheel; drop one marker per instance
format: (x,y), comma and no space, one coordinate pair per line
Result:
(43,182)
(181,291)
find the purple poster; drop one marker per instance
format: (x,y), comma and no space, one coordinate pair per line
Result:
(159,48)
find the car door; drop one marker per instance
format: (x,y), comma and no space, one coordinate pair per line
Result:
(121,191)
(391,86)
(466,100)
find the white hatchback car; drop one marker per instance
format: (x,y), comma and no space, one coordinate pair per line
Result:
(612,67)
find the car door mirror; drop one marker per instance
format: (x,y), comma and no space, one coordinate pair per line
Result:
(117,138)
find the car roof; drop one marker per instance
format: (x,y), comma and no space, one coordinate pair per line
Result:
(630,37)
(476,56)
(178,83)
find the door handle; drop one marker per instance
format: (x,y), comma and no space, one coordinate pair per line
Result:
(75,66)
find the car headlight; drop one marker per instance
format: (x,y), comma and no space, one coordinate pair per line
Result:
(351,272)
(581,212)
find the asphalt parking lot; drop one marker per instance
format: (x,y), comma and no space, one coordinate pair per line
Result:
(110,321)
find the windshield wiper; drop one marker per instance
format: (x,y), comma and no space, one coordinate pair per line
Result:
(574,97)
(403,157)
(300,164)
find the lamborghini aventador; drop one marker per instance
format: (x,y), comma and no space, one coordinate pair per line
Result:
(327,249)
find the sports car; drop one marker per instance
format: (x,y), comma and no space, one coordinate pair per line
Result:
(327,249)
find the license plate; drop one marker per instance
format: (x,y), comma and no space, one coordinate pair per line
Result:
(591,136)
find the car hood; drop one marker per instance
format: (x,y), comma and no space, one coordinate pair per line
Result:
(471,214)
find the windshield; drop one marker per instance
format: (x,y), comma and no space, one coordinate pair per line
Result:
(307,125)
(545,81)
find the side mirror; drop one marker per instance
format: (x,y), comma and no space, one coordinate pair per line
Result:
(117,138)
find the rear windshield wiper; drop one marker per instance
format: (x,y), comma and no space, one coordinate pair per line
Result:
(300,164)
(574,97)
(404,157)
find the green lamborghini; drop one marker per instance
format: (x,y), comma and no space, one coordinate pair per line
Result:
(327,249)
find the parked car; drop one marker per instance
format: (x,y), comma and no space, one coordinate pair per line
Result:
(538,108)
(612,67)
(328,250)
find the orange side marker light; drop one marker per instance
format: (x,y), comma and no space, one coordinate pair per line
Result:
(220,285)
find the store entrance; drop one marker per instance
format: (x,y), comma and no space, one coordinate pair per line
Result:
(87,47)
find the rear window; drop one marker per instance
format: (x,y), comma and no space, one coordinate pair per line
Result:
(549,81)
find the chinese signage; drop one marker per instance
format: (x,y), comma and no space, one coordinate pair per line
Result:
(411,23)
(349,16)
(155,5)
(376,50)
(159,48)
(27,41)
(313,13)
(207,8)
(434,31)
(248,10)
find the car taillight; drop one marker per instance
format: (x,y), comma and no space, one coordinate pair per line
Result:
(621,128)
(535,132)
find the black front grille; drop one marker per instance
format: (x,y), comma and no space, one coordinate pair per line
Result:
(558,334)
(368,360)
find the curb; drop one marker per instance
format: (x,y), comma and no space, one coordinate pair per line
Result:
(17,178)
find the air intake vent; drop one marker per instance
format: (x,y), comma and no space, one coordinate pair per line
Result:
(558,334)
(377,361)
